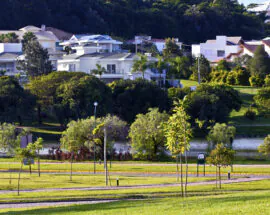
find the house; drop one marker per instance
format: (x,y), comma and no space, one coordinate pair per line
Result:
(218,49)
(117,65)
(9,52)
(93,43)
(159,43)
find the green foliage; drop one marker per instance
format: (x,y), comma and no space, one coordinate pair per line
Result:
(267,81)
(147,135)
(176,94)
(265,147)
(260,63)
(16,103)
(221,133)
(205,69)
(141,64)
(9,38)
(250,114)
(262,100)
(9,140)
(99,70)
(178,130)
(223,65)
(180,67)
(212,103)
(171,49)
(133,97)
(256,81)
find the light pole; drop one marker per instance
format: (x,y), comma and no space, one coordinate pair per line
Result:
(199,72)
(95,114)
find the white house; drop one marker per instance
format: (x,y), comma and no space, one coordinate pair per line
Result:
(159,43)
(215,50)
(9,52)
(117,65)
(93,43)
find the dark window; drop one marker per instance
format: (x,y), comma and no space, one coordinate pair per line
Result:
(221,53)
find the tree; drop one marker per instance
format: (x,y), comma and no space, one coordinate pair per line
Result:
(99,70)
(203,65)
(221,156)
(9,140)
(160,66)
(221,133)
(36,59)
(133,97)
(9,38)
(27,38)
(171,49)
(37,146)
(178,133)
(223,65)
(212,103)
(140,65)
(146,134)
(15,102)
(265,147)
(262,100)
(260,63)
(180,67)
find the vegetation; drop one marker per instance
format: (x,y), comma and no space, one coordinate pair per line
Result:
(265,147)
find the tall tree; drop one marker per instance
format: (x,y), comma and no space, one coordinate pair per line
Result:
(260,63)
(140,65)
(201,69)
(36,59)
(171,49)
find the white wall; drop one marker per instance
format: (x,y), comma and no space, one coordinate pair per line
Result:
(10,47)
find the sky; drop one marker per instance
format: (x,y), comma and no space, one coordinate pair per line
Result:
(247,2)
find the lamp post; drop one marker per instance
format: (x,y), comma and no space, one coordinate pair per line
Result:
(199,72)
(95,114)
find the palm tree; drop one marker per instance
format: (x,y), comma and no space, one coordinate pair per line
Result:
(99,70)
(140,65)
(160,66)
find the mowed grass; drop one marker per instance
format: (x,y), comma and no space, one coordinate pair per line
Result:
(84,168)
(189,83)
(63,181)
(242,198)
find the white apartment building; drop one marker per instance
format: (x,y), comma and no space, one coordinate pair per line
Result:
(215,50)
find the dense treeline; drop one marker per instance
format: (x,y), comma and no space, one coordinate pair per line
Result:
(190,20)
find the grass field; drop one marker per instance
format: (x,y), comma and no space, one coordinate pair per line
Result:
(242,198)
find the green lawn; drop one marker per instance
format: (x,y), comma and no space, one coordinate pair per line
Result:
(189,83)
(242,198)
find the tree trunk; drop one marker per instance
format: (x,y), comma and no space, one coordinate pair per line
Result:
(38,164)
(71,161)
(219,177)
(39,115)
(30,169)
(19,178)
(177,167)
(186,173)
(181,174)
(216,177)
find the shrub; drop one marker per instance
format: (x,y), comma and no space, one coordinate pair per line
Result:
(175,93)
(250,114)
(231,78)
(256,81)
(242,77)
(267,81)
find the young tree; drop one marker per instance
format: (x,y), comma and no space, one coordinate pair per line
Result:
(140,65)
(36,59)
(178,133)
(99,70)
(221,156)
(201,65)
(160,66)
(265,147)
(37,145)
(180,67)
(262,100)
(147,135)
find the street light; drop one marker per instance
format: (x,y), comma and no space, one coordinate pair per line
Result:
(95,114)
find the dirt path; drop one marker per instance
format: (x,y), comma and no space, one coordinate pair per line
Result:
(238,180)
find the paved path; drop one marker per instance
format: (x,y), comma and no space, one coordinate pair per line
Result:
(238,180)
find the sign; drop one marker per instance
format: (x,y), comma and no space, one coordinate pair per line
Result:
(201,158)
(27,161)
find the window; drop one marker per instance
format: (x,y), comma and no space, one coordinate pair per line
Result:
(221,53)
(71,67)
(111,68)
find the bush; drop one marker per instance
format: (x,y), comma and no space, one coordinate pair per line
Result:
(175,93)
(267,81)
(256,81)
(242,77)
(250,114)
(231,78)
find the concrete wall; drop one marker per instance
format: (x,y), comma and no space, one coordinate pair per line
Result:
(10,47)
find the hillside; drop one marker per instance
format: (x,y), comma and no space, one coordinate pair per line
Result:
(190,20)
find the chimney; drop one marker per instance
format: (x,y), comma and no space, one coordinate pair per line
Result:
(43,27)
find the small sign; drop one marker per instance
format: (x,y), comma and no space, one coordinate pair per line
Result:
(27,161)
(201,158)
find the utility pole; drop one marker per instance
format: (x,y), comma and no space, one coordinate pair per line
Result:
(95,113)
(105,156)
(199,74)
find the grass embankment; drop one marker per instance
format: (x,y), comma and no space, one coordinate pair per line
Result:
(63,181)
(242,198)
(127,168)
